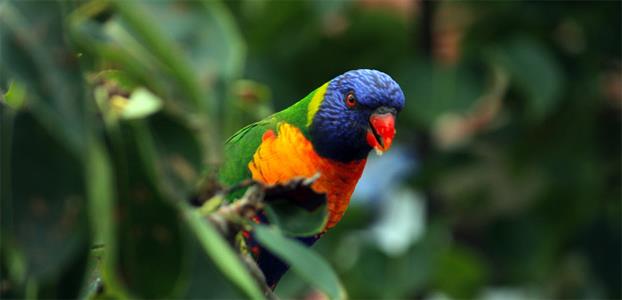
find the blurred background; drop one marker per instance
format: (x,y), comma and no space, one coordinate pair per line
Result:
(505,178)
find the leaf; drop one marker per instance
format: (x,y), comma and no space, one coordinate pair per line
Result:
(214,53)
(433,90)
(145,220)
(221,254)
(157,43)
(296,221)
(206,281)
(251,101)
(13,266)
(116,79)
(34,51)
(199,61)
(44,215)
(460,273)
(111,43)
(217,50)
(295,208)
(15,96)
(142,103)
(535,72)
(101,191)
(148,31)
(179,153)
(303,261)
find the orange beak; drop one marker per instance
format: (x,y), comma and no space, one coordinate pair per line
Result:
(381,132)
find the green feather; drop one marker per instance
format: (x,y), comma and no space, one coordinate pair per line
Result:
(240,147)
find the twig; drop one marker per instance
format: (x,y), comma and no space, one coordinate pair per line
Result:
(229,219)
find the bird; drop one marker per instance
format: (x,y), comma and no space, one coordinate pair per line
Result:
(329,132)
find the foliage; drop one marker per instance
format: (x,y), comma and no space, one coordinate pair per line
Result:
(112,111)
(107,144)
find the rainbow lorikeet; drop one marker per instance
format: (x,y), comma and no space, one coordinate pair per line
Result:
(330,131)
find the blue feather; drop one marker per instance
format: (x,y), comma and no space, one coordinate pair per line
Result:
(337,131)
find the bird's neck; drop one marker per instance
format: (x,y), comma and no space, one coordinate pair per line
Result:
(297,114)
(338,181)
(288,154)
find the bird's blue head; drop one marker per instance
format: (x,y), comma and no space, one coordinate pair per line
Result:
(354,113)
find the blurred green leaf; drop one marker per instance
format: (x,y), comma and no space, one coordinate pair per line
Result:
(216,50)
(307,264)
(158,41)
(145,220)
(221,253)
(51,212)
(180,154)
(15,96)
(34,51)
(295,208)
(250,101)
(13,266)
(45,215)
(101,193)
(517,219)
(118,80)
(297,221)
(460,273)
(433,90)
(110,42)
(369,272)
(536,74)
(160,46)
(206,280)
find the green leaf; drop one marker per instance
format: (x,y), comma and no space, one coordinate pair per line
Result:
(45,214)
(307,264)
(142,103)
(147,219)
(148,30)
(158,45)
(250,101)
(13,263)
(297,221)
(34,51)
(222,254)
(179,153)
(460,273)
(295,208)
(215,51)
(116,79)
(15,96)
(101,192)
(434,90)
(206,281)
(111,42)
(535,72)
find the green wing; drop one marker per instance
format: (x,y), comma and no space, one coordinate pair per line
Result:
(240,148)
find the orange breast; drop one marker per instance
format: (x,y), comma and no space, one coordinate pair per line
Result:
(289,154)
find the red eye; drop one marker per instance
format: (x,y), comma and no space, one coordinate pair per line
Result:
(350,100)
